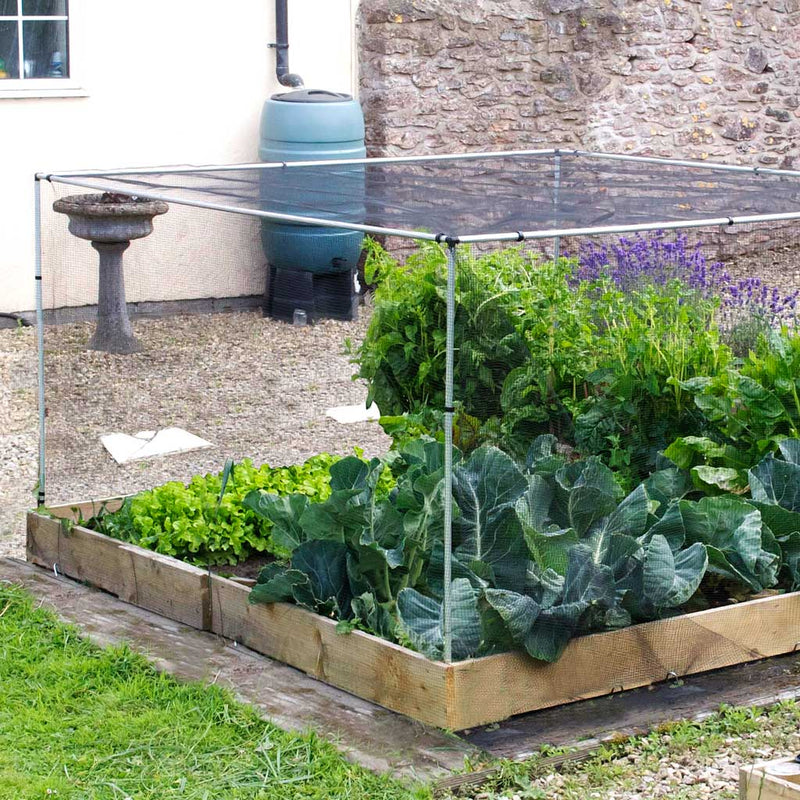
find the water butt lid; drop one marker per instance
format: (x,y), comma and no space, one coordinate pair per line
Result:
(312,96)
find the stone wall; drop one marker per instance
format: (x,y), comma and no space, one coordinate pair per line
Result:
(707,79)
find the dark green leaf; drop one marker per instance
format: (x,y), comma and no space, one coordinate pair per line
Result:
(533,508)
(276,584)
(517,611)
(550,549)
(499,543)
(790,450)
(736,538)
(284,513)
(776,482)
(667,485)
(422,619)
(671,526)
(325,565)
(377,617)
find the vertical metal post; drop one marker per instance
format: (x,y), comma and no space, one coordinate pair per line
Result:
(37,214)
(447,610)
(556,192)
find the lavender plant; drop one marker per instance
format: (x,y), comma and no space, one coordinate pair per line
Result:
(653,259)
(767,302)
(658,259)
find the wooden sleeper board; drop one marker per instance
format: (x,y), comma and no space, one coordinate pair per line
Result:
(456,696)
(365,665)
(158,583)
(630,657)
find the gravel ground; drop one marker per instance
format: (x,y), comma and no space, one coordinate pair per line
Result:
(688,761)
(778,266)
(254,387)
(18,437)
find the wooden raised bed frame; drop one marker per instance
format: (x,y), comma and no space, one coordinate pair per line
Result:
(455,696)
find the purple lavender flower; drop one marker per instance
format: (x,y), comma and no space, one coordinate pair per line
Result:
(655,259)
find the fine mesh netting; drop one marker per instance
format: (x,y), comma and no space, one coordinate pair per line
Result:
(479,196)
(615,415)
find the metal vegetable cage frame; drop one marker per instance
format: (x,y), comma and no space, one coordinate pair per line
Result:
(456,200)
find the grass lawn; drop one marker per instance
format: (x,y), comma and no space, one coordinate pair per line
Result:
(77,721)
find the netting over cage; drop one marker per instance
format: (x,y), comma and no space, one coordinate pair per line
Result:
(568,409)
(490,197)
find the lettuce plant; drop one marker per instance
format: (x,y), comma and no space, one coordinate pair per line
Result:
(205,521)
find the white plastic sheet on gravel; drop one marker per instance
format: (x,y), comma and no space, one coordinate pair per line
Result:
(256,387)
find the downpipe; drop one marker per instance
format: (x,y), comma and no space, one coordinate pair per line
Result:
(281,47)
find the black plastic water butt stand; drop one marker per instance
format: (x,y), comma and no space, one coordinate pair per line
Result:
(109,222)
(321,295)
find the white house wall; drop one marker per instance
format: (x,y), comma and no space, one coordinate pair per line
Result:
(167,82)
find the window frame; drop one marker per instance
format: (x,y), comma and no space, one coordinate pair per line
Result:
(41,87)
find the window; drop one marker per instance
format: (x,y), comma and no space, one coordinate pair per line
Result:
(34,43)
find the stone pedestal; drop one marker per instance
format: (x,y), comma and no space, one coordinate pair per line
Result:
(110,222)
(113,333)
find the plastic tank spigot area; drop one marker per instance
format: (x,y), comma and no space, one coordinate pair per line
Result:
(312,268)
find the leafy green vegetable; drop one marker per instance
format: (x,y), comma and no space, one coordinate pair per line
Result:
(379,544)
(776,482)
(588,587)
(664,579)
(740,547)
(206,521)
(775,487)
(748,409)
(422,619)
(488,531)
(541,552)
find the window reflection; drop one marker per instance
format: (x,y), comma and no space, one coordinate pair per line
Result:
(45,48)
(34,27)
(9,50)
(44,8)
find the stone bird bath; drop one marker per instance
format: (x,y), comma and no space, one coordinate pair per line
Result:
(110,222)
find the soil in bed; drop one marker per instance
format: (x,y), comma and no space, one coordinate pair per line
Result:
(247,569)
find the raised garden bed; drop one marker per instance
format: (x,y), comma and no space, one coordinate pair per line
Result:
(458,695)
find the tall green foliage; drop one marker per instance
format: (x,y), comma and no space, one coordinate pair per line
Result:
(648,342)
(538,351)
(747,409)
(403,357)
